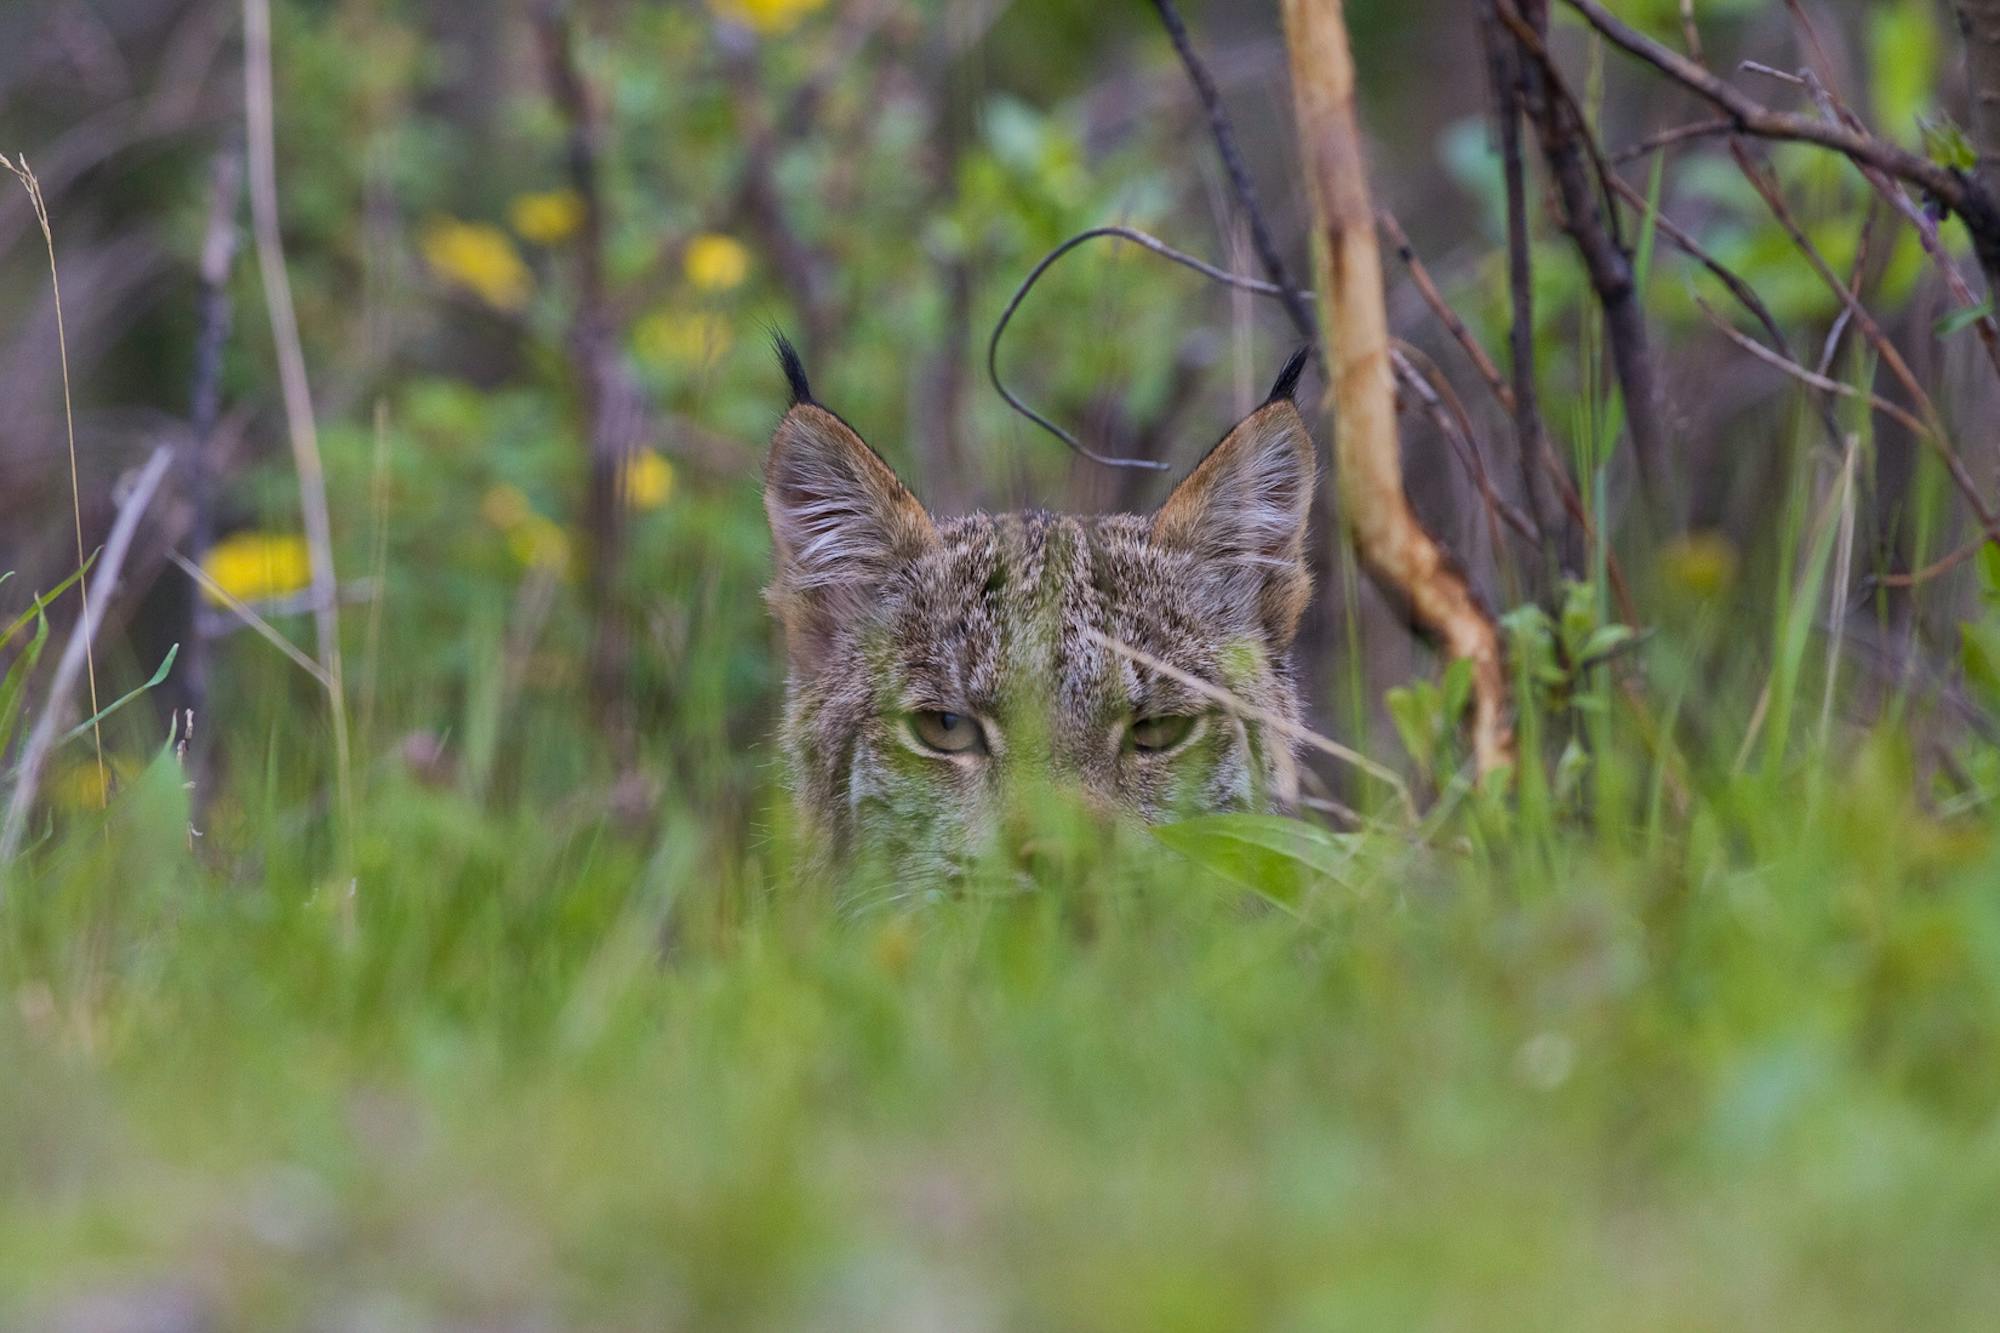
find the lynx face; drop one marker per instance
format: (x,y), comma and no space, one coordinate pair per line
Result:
(947,674)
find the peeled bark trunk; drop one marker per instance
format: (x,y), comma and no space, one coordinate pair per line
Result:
(1360,393)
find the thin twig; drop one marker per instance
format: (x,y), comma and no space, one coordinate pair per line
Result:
(214,314)
(1956,191)
(1934,431)
(249,616)
(302,429)
(1434,391)
(1277,722)
(1779,360)
(1540,470)
(26,175)
(1440,307)
(1139,238)
(1288,293)
(104,585)
(1568,145)
(1653,143)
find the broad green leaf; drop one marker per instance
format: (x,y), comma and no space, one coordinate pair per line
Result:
(1989,571)
(1273,857)
(1604,641)
(1979,651)
(1413,726)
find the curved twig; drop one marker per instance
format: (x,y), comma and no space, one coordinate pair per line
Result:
(1144,241)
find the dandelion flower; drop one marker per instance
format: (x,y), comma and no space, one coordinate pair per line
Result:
(648,480)
(480,258)
(715,263)
(540,543)
(681,340)
(1702,563)
(769,17)
(547,217)
(257,566)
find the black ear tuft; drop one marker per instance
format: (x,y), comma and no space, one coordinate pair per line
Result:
(795,369)
(1287,383)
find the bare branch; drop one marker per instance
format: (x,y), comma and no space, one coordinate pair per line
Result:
(1973,200)
(1137,237)
(104,585)
(1245,189)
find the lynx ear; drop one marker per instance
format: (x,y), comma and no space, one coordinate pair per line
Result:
(840,522)
(1244,508)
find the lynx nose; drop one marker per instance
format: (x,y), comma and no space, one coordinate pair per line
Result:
(1056,826)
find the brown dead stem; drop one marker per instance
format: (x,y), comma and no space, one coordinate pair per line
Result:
(1360,393)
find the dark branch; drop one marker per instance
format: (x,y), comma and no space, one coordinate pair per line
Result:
(1288,293)
(1048,260)
(1958,192)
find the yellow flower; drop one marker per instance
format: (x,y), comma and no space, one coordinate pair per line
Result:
(675,340)
(769,17)
(648,480)
(79,785)
(253,566)
(540,543)
(715,263)
(548,217)
(1702,563)
(478,257)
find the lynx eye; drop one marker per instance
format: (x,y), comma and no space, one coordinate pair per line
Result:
(948,733)
(1153,735)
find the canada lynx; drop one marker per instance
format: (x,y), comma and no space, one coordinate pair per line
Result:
(944,670)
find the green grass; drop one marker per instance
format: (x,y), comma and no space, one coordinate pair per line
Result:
(521,1074)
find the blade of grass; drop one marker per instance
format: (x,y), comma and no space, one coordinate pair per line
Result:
(25,174)
(43,602)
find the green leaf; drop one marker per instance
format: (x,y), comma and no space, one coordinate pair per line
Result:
(80,728)
(1946,144)
(16,681)
(1457,689)
(1963,318)
(1989,571)
(1413,726)
(1604,641)
(1979,652)
(1276,858)
(43,602)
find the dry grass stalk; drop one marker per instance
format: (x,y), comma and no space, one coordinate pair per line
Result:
(104,583)
(303,431)
(1360,392)
(26,175)
(1284,726)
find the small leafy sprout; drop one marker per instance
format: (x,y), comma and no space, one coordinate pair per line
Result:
(1160,734)
(950,734)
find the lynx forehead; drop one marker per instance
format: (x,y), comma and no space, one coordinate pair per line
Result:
(943,673)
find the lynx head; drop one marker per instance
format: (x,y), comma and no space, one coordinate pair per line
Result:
(947,673)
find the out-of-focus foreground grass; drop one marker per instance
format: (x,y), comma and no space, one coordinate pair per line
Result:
(527,1075)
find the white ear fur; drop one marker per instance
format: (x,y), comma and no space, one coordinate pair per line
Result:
(840,519)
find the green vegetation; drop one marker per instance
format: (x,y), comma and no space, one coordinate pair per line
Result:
(1693,1022)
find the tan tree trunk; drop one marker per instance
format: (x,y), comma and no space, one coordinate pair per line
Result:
(1360,393)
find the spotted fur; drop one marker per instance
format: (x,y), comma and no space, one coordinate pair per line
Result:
(889,613)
